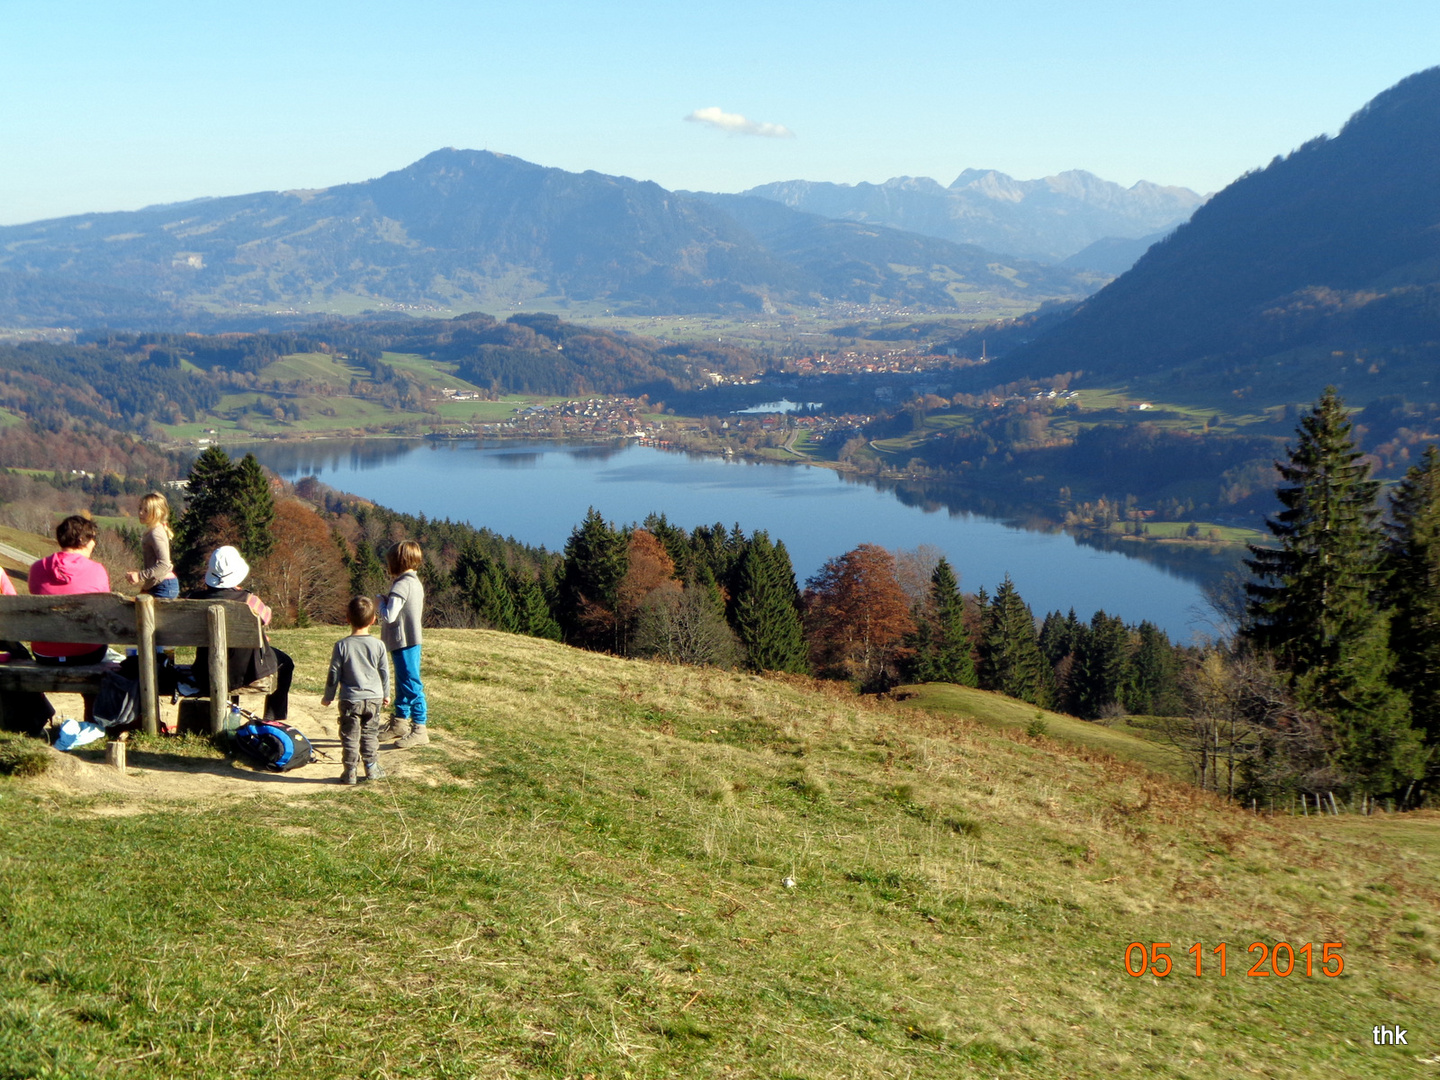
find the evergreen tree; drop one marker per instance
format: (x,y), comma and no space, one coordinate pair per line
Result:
(766,608)
(532,610)
(227,502)
(1412,559)
(942,643)
(1010,660)
(1101,669)
(1058,636)
(253,509)
(1316,603)
(1061,636)
(1154,687)
(1320,583)
(207,522)
(368,575)
(589,586)
(483,585)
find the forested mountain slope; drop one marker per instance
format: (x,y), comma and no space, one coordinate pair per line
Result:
(1322,267)
(461,229)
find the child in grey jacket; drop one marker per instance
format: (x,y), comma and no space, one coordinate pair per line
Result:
(400,611)
(361,677)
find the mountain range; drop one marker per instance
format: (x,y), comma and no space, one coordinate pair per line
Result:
(1322,267)
(1050,219)
(461,229)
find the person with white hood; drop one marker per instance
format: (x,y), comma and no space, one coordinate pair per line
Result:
(223,576)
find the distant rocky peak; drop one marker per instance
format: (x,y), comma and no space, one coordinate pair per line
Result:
(922,184)
(992,185)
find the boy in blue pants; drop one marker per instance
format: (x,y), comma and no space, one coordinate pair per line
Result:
(401,611)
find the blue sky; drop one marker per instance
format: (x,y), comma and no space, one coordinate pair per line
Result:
(107,106)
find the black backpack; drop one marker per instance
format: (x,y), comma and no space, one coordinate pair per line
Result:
(275,744)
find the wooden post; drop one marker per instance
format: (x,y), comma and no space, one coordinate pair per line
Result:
(115,753)
(149,689)
(219,669)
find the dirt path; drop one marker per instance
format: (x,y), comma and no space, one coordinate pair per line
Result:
(155,776)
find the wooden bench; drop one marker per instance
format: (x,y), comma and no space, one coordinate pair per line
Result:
(112,619)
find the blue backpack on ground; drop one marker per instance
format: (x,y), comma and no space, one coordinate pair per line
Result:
(275,744)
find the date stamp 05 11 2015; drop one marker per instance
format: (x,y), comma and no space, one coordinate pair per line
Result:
(1282,959)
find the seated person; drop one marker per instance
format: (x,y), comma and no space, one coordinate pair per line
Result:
(226,570)
(68,572)
(23,710)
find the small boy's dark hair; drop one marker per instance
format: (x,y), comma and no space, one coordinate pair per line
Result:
(75,532)
(361,612)
(404,556)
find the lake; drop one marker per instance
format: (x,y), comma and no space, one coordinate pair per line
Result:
(538,492)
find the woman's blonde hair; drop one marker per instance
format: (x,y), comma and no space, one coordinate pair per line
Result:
(155,510)
(404,556)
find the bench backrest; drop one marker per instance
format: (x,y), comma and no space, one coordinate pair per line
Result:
(109,619)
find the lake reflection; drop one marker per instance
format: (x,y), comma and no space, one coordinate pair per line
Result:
(538,492)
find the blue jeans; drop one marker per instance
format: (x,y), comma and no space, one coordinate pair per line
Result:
(409,690)
(169,589)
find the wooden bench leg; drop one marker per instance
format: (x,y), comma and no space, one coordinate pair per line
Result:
(149,683)
(219,668)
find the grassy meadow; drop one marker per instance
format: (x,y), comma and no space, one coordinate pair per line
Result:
(589,879)
(331,409)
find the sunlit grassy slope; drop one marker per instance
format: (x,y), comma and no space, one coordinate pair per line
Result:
(595,886)
(330,408)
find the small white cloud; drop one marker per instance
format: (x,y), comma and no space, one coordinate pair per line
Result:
(736,124)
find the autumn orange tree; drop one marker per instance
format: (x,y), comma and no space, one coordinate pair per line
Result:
(304,578)
(857,617)
(648,568)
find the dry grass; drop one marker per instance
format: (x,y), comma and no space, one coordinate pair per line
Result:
(600,891)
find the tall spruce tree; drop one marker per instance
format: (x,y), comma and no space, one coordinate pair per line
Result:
(766,609)
(1010,660)
(532,609)
(588,589)
(1154,686)
(943,644)
(208,521)
(253,509)
(1317,602)
(368,575)
(1058,636)
(1101,671)
(227,502)
(1412,562)
(482,582)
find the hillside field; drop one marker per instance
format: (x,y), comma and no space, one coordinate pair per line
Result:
(330,409)
(589,880)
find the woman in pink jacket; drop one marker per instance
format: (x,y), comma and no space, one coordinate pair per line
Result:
(24,710)
(69,571)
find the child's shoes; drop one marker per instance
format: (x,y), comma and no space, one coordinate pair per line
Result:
(373,771)
(418,736)
(347,775)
